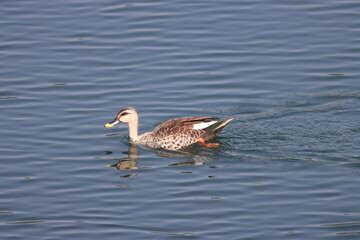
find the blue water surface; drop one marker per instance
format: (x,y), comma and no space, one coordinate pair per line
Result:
(287,167)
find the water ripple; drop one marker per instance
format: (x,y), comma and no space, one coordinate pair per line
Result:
(287,166)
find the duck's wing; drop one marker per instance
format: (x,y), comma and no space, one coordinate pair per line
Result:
(180,125)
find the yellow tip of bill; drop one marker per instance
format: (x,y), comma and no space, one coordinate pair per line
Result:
(108,125)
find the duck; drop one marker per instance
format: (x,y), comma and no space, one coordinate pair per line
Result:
(174,134)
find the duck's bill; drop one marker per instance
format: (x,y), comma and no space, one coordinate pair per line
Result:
(112,123)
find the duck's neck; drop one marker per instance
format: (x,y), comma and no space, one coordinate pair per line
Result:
(133,129)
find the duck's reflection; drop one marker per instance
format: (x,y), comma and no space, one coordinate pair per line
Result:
(197,160)
(128,163)
(198,156)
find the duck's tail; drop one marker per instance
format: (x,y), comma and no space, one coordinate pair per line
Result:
(219,125)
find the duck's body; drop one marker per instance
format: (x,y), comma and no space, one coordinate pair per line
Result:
(174,134)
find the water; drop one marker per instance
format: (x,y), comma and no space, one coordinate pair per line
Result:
(288,166)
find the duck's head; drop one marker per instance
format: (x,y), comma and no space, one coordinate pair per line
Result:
(127,114)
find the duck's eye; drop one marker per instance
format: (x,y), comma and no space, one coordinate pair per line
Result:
(123,114)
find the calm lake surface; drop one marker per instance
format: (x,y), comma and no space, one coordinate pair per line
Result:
(288,166)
